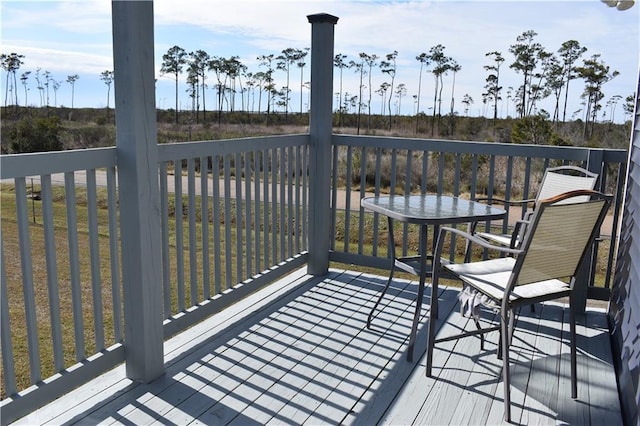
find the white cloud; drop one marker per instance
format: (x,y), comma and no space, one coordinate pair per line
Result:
(75,37)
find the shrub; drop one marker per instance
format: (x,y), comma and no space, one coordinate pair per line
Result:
(36,134)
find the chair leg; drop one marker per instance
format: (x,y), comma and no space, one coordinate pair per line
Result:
(505,366)
(431,331)
(477,323)
(574,366)
(512,323)
(384,291)
(431,335)
(416,319)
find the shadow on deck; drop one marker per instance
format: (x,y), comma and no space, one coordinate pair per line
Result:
(298,352)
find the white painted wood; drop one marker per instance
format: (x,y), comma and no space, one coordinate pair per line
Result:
(217,241)
(542,386)
(603,404)
(116,295)
(179,227)
(94,258)
(320,129)
(74,264)
(47,163)
(204,214)
(27,280)
(193,263)
(484,379)
(370,359)
(248,216)
(238,210)
(164,223)
(137,154)
(298,353)
(574,412)
(8,370)
(52,272)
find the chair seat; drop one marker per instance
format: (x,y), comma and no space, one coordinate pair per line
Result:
(490,277)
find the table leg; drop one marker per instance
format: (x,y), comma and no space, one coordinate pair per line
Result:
(392,251)
(423,273)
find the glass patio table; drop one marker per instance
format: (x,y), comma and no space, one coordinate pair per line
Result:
(424,210)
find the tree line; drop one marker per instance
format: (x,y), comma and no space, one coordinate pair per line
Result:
(544,74)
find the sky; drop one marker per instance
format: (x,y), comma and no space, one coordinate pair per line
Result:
(74,37)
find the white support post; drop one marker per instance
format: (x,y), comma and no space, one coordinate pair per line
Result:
(320,131)
(137,152)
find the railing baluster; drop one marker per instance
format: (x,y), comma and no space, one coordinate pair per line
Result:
(238,200)
(298,201)
(179,225)
(114,251)
(274,206)
(425,169)
(74,264)
(217,242)
(6,344)
(164,222)
(347,201)
(228,257)
(456,192)
(265,223)
(290,205)
(94,255)
(474,177)
(305,195)
(52,271)
(490,186)
(507,191)
(248,222)
(257,161)
(283,202)
(441,156)
(334,196)
(527,183)
(191,209)
(27,280)
(408,173)
(376,190)
(204,225)
(363,187)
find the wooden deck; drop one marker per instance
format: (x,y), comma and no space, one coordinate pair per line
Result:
(299,353)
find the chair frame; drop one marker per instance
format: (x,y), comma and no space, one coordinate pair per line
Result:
(516,235)
(508,304)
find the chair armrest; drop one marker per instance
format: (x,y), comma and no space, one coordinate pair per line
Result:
(473,239)
(505,202)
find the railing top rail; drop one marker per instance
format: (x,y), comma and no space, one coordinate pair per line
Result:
(43,163)
(178,150)
(487,148)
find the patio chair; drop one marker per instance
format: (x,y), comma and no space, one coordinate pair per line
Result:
(556,180)
(542,268)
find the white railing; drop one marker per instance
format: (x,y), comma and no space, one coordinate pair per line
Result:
(234,218)
(234,212)
(61,294)
(469,169)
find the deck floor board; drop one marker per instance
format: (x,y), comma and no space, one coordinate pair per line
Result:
(300,353)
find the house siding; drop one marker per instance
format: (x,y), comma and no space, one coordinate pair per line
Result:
(624,310)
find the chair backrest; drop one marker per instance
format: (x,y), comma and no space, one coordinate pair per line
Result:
(557,180)
(560,233)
